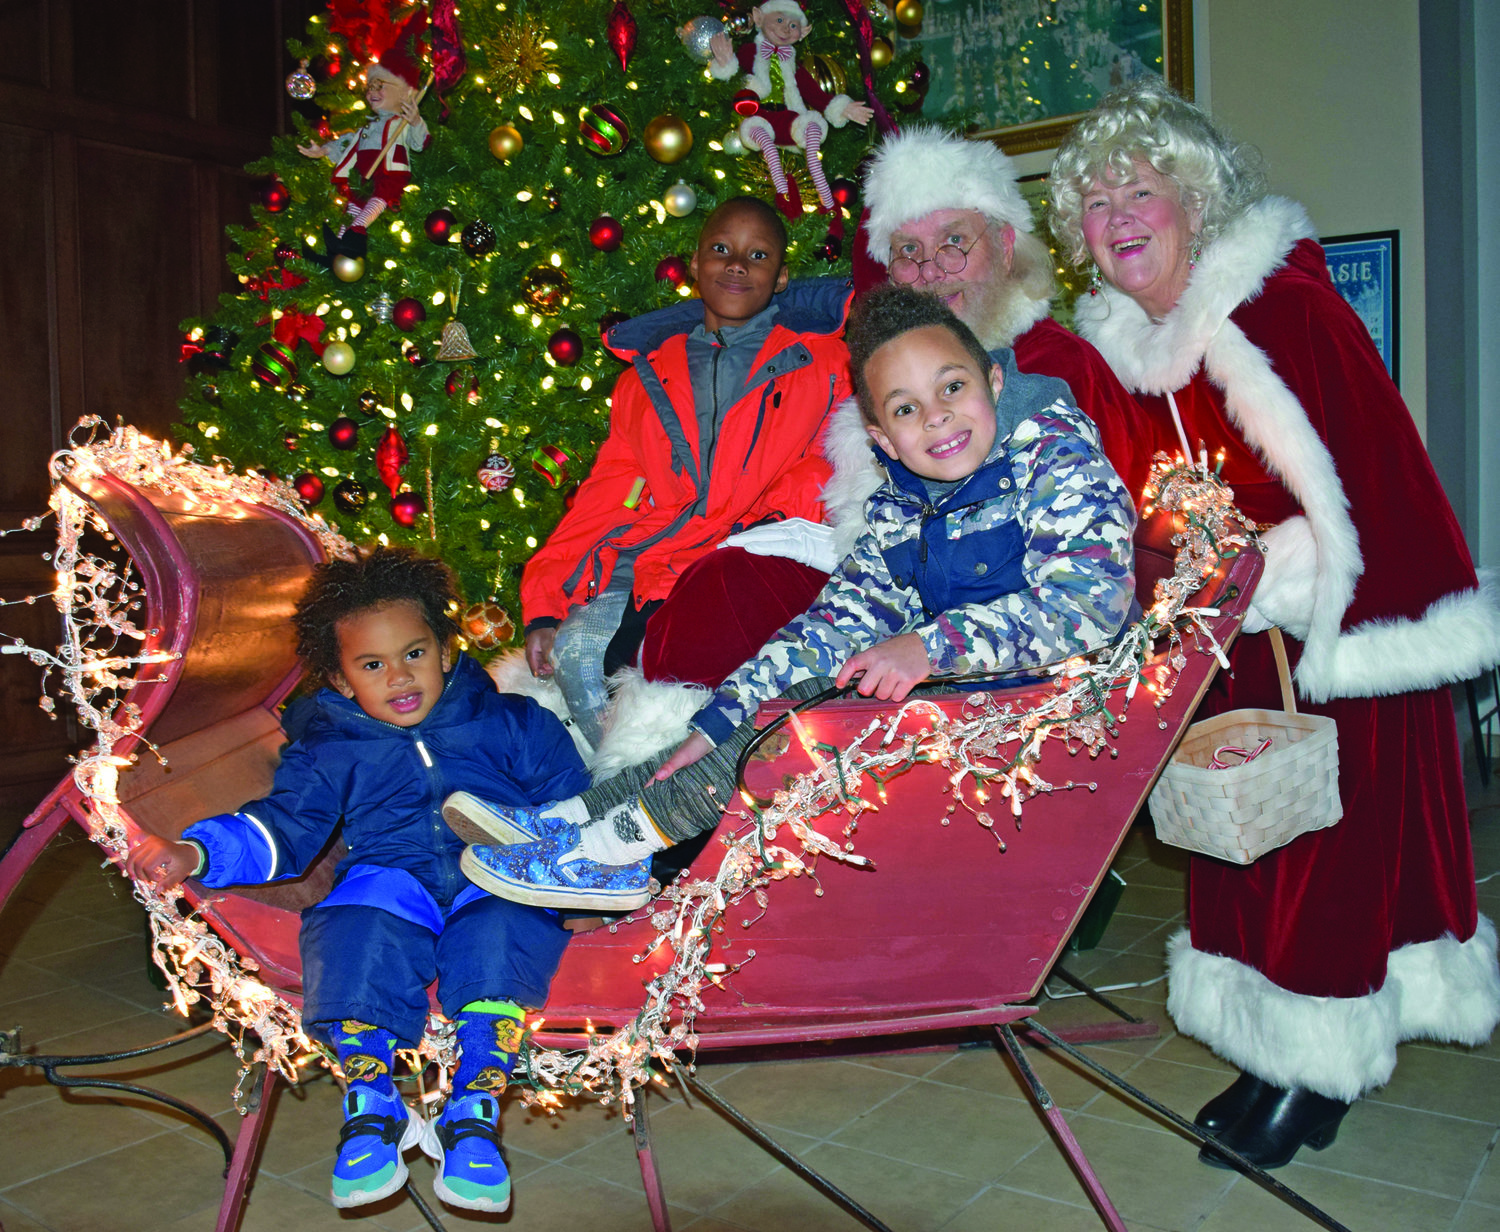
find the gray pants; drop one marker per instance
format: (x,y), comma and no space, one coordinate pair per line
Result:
(578,656)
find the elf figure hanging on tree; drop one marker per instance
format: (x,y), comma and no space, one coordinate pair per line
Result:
(372,165)
(794,109)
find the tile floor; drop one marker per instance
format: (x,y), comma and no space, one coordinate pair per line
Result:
(927,1141)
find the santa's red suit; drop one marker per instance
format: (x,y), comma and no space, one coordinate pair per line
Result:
(359,171)
(1309,966)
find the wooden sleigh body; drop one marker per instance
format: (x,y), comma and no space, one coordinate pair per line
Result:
(945,930)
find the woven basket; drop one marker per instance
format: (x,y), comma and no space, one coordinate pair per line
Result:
(1240,813)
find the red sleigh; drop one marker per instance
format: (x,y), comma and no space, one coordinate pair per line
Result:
(944,931)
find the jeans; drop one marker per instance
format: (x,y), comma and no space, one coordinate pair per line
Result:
(578,657)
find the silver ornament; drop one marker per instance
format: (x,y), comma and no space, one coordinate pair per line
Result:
(300,84)
(680,200)
(695,34)
(732,143)
(380,308)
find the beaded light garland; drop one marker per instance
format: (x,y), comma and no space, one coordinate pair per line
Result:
(992,745)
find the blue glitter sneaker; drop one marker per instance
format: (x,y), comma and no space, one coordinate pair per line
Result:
(478,821)
(553,872)
(377,1130)
(465,1143)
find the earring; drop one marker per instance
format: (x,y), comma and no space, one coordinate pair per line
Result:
(1096,280)
(1196,251)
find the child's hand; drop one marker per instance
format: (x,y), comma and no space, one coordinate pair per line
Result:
(161,862)
(694,748)
(539,651)
(888,671)
(312,151)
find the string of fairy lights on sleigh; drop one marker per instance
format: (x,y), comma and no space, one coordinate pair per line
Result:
(991,749)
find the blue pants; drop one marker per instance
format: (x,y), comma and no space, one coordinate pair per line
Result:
(368,964)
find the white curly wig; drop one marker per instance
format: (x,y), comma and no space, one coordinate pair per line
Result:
(1148,120)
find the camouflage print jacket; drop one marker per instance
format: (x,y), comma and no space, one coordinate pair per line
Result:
(1027,562)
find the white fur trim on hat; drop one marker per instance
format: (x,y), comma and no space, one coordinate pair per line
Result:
(926,168)
(790,7)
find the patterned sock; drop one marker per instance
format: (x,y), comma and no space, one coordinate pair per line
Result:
(372,209)
(489,1041)
(812,140)
(624,835)
(772,156)
(365,1055)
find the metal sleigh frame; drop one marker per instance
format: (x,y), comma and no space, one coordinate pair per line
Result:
(964,938)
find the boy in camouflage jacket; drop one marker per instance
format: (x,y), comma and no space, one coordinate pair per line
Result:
(1000,538)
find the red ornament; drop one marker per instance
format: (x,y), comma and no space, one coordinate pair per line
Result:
(343,433)
(746,103)
(309,488)
(620,30)
(462,381)
(606,234)
(283,253)
(673,270)
(566,347)
(407,314)
(390,456)
(844,191)
(440,224)
(275,197)
(290,442)
(407,508)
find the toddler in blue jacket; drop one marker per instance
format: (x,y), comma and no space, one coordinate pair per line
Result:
(404,724)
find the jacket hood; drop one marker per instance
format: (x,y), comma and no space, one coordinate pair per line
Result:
(807,306)
(330,714)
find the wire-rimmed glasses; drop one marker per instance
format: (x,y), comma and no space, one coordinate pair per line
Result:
(949,258)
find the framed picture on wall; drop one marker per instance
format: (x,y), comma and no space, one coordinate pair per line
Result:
(1021,73)
(1364,271)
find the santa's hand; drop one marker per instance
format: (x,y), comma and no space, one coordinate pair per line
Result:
(809,543)
(860,113)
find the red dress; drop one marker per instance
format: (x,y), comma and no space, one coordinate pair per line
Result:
(1309,966)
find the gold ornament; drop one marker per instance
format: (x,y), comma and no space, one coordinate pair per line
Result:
(668,139)
(828,72)
(909,12)
(347,268)
(517,55)
(547,289)
(338,358)
(456,347)
(881,52)
(505,142)
(487,625)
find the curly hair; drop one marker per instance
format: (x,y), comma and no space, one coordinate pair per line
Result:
(886,312)
(343,588)
(1147,120)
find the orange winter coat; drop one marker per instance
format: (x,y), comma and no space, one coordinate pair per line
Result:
(767,463)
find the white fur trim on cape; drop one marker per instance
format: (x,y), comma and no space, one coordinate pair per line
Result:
(644,719)
(925,168)
(856,475)
(1455,638)
(1284,595)
(1340,1047)
(511,675)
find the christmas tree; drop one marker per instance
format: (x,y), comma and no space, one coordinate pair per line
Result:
(447,387)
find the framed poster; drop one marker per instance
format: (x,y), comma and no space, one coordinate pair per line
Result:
(1364,271)
(1021,73)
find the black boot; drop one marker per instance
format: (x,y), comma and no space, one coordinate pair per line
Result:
(1277,1124)
(1227,1107)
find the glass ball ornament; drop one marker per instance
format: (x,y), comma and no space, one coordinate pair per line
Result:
(505,141)
(273,364)
(680,200)
(347,268)
(668,139)
(407,508)
(299,393)
(565,346)
(300,83)
(309,488)
(603,129)
(343,433)
(487,625)
(412,353)
(369,403)
(845,191)
(881,52)
(291,441)
(909,12)
(547,289)
(275,197)
(439,225)
(496,473)
(349,496)
(732,144)
(673,270)
(477,238)
(210,393)
(606,234)
(552,199)
(462,382)
(338,358)
(696,33)
(407,314)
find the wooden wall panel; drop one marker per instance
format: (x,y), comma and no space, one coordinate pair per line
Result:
(136,54)
(23,42)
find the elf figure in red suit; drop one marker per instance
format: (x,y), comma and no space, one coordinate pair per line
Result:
(372,165)
(794,108)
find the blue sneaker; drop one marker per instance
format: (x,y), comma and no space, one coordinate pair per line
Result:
(553,872)
(465,1143)
(377,1130)
(478,821)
